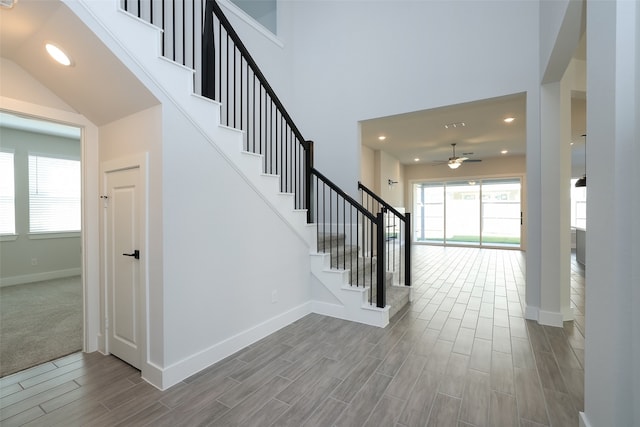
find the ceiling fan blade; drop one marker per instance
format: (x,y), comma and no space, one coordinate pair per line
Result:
(473,160)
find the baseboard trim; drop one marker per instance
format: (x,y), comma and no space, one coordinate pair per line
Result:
(550,318)
(531,313)
(39,277)
(152,374)
(567,314)
(368,315)
(176,372)
(584,421)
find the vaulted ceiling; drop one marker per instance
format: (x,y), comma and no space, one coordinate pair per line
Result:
(97,84)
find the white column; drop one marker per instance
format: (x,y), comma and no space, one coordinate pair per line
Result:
(612,344)
(555,130)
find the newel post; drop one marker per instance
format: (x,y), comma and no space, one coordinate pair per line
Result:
(380,262)
(407,249)
(308,166)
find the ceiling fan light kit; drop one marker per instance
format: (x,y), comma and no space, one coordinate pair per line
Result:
(455,162)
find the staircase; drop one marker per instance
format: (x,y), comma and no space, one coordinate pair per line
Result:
(344,266)
(343,256)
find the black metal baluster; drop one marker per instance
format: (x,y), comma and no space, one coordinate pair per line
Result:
(235,72)
(184,35)
(358,244)
(344,231)
(324,214)
(351,241)
(173,23)
(219,78)
(241,94)
(254,114)
(407,249)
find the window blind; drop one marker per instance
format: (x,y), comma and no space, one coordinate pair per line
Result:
(54,194)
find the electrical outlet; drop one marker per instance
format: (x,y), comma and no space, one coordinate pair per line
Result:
(34,261)
(274,296)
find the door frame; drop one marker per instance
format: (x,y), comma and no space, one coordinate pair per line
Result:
(133,161)
(93,339)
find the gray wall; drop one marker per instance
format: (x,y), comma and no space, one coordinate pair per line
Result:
(54,257)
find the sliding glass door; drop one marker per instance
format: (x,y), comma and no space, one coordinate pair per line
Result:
(429,212)
(462,217)
(470,213)
(501,212)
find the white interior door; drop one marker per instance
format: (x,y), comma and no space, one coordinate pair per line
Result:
(124,269)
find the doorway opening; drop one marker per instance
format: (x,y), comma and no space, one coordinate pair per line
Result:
(41,283)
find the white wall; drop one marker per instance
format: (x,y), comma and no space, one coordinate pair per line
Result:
(390,57)
(367,167)
(389,168)
(54,257)
(495,166)
(138,134)
(562,25)
(225,250)
(612,341)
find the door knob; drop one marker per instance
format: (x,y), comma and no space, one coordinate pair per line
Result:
(135,254)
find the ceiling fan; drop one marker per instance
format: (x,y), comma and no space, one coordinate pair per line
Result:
(454,162)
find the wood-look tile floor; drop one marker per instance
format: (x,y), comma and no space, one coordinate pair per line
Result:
(460,355)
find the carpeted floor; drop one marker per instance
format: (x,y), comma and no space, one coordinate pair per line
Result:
(39,322)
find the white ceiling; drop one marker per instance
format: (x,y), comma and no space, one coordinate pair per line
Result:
(98,85)
(422,134)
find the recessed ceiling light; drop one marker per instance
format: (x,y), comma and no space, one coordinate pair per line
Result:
(58,54)
(382,137)
(509,119)
(571,143)
(504,151)
(416,159)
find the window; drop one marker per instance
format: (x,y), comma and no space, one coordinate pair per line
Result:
(263,11)
(54,194)
(578,205)
(7,194)
(429,212)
